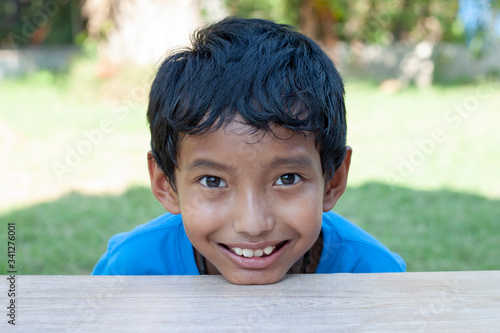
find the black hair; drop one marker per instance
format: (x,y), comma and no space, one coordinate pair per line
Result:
(268,73)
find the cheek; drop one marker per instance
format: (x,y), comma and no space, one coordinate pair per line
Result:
(304,213)
(308,223)
(201,218)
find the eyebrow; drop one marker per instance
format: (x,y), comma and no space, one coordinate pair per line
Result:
(207,164)
(291,162)
(299,161)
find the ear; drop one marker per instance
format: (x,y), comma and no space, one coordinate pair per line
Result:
(161,187)
(335,187)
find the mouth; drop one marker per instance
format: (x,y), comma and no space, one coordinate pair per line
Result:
(250,253)
(255,252)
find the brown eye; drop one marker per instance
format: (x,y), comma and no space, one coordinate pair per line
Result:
(287,179)
(212,181)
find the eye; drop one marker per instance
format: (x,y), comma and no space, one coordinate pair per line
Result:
(287,179)
(212,181)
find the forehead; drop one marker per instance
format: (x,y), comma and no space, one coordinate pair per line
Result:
(241,144)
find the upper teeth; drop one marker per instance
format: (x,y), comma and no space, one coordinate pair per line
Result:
(248,253)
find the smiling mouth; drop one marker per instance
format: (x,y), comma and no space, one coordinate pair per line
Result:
(249,253)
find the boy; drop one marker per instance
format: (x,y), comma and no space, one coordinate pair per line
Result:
(249,156)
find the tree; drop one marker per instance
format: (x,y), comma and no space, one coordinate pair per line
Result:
(367,21)
(39,22)
(140,31)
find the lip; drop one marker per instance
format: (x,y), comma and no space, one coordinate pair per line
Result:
(252,246)
(254,262)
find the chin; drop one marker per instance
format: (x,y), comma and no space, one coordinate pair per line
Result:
(253,277)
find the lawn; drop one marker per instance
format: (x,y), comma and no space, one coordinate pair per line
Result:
(73,162)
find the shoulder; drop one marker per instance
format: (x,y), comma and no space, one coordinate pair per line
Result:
(348,248)
(160,227)
(157,247)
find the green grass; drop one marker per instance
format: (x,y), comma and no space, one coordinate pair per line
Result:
(68,235)
(432,230)
(436,230)
(386,131)
(441,213)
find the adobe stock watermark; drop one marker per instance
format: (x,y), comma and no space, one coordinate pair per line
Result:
(41,18)
(93,138)
(452,120)
(447,298)
(262,315)
(91,311)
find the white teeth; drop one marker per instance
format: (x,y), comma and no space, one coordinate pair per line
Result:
(248,253)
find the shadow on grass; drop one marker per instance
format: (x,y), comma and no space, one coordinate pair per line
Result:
(68,235)
(437,230)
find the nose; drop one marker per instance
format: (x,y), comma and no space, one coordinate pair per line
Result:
(253,214)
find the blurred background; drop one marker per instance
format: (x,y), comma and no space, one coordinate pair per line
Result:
(422,93)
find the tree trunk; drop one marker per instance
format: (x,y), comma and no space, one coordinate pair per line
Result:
(142,30)
(317,21)
(399,31)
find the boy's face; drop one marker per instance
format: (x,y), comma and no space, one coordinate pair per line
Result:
(251,203)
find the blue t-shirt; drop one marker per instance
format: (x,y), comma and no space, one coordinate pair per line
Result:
(161,247)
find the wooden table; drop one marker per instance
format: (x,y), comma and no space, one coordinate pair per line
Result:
(418,302)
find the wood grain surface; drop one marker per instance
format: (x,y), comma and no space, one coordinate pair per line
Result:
(409,302)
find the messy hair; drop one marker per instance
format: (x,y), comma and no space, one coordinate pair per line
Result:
(267,73)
